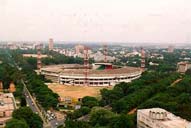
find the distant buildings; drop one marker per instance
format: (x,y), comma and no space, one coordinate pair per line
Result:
(183,53)
(182,67)
(159,118)
(99,57)
(34,55)
(79,49)
(19,45)
(153,64)
(12,46)
(51,44)
(7,106)
(157,56)
(26,46)
(131,54)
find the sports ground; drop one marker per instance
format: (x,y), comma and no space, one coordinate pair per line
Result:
(75,91)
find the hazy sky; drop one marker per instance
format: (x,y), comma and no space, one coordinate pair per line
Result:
(96,20)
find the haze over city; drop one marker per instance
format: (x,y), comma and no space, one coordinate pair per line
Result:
(161,21)
(95,63)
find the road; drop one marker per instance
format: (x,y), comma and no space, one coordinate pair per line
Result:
(53,123)
(32,103)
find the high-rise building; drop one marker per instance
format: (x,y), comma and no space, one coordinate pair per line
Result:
(159,118)
(79,48)
(170,49)
(51,44)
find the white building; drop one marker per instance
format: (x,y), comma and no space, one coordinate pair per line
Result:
(159,118)
(182,67)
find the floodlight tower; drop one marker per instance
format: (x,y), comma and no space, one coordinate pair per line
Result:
(105,52)
(142,59)
(39,63)
(86,66)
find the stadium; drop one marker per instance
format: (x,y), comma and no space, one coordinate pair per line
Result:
(97,74)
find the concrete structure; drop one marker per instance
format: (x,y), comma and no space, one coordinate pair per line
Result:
(51,44)
(7,106)
(182,67)
(159,118)
(101,74)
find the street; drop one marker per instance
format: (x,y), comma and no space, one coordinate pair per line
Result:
(53,123)
(32,103)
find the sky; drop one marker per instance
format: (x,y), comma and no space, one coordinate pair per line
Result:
(161,21)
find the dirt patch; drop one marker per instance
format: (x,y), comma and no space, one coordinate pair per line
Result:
(75,91)
(175,82)
(132,111)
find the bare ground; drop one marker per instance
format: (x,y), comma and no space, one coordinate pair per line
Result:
(75,91)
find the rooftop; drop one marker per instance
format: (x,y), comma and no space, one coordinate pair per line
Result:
(7,106)
(77,70)
(171,121)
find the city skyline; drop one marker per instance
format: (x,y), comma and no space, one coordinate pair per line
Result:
(97,21)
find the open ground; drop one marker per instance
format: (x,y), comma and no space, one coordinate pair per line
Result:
(75,91)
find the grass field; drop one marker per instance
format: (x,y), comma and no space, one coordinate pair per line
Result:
(75,91)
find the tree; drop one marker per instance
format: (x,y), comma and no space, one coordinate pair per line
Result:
(15,123)
(188,72)
(122,121)
(60,126)
(80,112)
(23,101)
(36,121)
(89,101)
(76,124)
(100,116)
(25,113)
